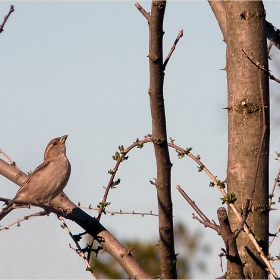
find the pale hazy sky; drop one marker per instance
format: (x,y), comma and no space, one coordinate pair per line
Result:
(81,68)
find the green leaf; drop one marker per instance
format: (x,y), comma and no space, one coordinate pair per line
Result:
(229,199)
(116,156)
(115,183)
(111,172)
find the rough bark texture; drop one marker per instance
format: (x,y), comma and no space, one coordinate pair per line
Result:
(230,242)
(246,85)
(159,137)
(218,8)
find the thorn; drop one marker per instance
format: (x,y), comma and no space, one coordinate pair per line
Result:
(227,108)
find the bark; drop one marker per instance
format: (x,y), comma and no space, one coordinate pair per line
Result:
(72,212)
(159,137)
(248,102)
(229,239)
(218,8)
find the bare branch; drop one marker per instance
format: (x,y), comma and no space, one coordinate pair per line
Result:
(38,214)
(218,8)
(143,11)
(6,18)
(9,159)
(231,205)
(261,67)
(229,239)
(275,235)
(120,158)
(112,213)
(79,250)
(72,212)
(205,221)
(276,181)
(180,34)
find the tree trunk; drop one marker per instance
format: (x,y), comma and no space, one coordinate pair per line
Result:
(248,127)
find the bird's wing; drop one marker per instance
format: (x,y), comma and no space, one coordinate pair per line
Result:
(36,171)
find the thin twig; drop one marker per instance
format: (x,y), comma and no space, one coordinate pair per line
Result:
(27,204)
(25,218)
(205,221)
(275,184)
(138,143)
(112,213)
(180,34)
(79,250)
(143,11)
(275,235)
(6,18)
(201,166)
(231,205)
(221,189)
(261,67)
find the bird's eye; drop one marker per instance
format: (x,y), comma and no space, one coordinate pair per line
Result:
(54,143)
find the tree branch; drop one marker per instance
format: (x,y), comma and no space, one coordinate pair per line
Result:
(6,18)
(261,67)
(69,210)
(180,34)
(205,221)
(218,8)
(159,138)
(119,157)
(143,11)
(79,250)
(229,239)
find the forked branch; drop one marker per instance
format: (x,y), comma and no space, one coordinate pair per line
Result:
(204,220)
(143,11)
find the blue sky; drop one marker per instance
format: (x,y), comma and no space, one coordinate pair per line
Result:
(81,68)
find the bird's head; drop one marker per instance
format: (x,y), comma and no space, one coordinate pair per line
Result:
(55,148)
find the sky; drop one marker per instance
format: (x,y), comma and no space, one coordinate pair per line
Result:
(81,68)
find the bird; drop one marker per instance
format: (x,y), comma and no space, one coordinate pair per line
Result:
(47,181)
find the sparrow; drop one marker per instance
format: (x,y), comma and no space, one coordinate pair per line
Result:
(47,180)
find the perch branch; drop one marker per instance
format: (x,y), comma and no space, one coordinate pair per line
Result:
(9,159)
(72,212)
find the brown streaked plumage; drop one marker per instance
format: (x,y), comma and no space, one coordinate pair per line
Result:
(47,180)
